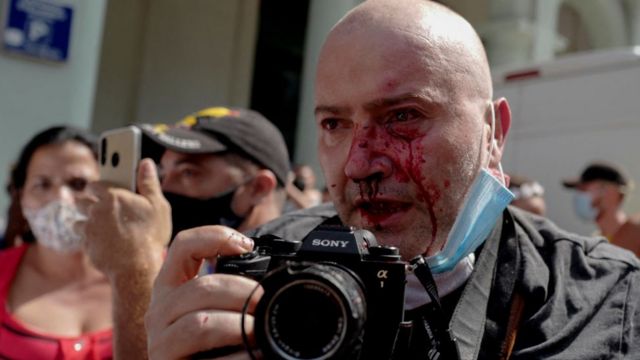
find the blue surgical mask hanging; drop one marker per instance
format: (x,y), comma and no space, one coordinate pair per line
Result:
(485,201)
(582,206)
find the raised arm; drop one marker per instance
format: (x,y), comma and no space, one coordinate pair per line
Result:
(127,234)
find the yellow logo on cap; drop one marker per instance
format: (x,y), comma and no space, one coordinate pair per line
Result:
(188,121)
(160,128)
(213,112)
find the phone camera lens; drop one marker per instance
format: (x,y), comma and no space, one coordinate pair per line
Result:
(115,159)
(103,151)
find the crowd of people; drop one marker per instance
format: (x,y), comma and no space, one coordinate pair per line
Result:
(410,141)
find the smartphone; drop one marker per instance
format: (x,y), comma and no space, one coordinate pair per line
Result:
(120,153)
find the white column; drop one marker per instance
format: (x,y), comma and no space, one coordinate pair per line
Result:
(509,32)
(323,14)
(545,35)
(634,21)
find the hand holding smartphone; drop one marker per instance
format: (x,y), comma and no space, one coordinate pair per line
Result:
(120,153)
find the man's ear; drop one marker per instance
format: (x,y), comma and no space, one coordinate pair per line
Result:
(502,126)
(503,121)
(262,185)
(253,192)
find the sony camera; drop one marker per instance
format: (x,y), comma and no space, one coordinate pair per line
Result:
(334,295)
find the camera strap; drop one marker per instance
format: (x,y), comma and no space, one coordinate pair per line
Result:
(461,337)
(436,326)
(470,315)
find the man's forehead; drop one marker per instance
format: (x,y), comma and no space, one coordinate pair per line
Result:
(389,68)
(412,32)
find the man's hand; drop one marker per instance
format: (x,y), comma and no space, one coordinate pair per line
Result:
(127,232)
(126,237)
(189,314)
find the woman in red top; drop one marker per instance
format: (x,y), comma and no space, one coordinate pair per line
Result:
(56,304)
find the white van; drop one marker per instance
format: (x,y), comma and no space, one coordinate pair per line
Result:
(568,112)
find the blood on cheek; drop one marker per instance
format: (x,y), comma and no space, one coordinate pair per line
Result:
(409,155)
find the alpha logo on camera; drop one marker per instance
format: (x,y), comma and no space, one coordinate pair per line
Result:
(329,243)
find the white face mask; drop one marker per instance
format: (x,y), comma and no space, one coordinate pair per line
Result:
(53,226)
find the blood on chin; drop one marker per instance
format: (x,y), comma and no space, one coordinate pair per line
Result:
(389,217)
(384,226)
(401,235)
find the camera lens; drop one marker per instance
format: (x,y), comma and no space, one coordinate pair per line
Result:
(311,311)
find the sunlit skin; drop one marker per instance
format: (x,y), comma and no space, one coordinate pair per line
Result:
(401,126)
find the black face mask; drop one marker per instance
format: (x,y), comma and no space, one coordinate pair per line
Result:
(188,212)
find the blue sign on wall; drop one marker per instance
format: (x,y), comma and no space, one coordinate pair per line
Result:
(38,28)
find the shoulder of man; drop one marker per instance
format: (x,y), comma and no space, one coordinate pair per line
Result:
(633,223)
(548,238)
(578,292)
(628,235)
(296,225)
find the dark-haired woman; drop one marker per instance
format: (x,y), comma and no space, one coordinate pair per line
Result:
(56,305)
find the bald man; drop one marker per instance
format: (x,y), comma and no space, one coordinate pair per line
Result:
(410,142)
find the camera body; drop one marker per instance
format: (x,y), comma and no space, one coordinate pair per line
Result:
(334,295)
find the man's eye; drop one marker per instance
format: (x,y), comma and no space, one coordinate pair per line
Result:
(403,115)
(329,124)
(188,173)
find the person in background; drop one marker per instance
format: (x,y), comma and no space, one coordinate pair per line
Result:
(226,166)
(326,197)
(218,166)
(302,192)
(410,140)
(529,194)
(55,303)
(599,195)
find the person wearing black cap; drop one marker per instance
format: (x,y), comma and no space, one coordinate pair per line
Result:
(218,166)
(222,166)
(599,194)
